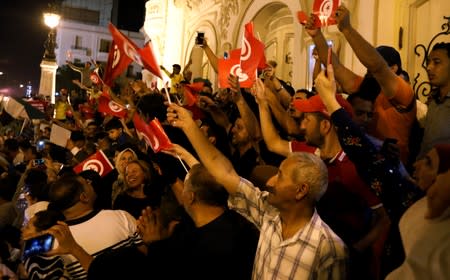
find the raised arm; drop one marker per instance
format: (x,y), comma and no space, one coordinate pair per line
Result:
(282,116)
(247,115)
(343,75)
(217,114)
(367,54)
(213,59)
(271,137)
(74,67)
(216,163)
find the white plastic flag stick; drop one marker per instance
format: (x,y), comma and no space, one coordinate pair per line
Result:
(167,93)
(182,163)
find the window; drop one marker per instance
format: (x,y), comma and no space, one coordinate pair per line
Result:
(78,42)
(104,45)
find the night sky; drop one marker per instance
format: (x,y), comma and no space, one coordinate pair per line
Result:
(23,32)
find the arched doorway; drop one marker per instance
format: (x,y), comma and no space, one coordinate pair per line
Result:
(276,25)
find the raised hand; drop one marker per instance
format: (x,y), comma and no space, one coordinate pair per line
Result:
(310,26)
(66,242)
(175,150)
(326,87)
(150,227)
(259,91)
(179,117)
(234,83)
(343,18)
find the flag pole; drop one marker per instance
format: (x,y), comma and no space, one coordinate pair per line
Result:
(167,92)
(182,163)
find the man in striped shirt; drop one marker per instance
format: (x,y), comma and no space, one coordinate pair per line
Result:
(294,242)
(96,231)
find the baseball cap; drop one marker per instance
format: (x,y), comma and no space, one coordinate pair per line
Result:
(315,104)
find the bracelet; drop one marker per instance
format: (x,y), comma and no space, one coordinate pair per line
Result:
(278,90)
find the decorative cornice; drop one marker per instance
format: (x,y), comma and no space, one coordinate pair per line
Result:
(229,7)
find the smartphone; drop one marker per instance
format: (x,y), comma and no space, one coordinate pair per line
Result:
(37,162)
(37,245)
(200,38)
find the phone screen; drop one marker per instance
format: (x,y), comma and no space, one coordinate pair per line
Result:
(37,162)
(200,38)
(38,245)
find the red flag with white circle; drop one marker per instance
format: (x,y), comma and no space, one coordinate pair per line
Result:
(98,162)
(111,107)
(152,133)
(232,65)
(252,53)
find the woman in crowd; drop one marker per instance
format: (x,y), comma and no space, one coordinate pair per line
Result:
(121,161)
(142,189)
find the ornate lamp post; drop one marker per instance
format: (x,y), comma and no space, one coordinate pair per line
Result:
(48,64)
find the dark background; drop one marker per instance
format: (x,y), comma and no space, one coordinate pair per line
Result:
(23,32)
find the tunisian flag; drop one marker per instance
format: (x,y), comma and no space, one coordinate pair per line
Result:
(123,51)
(324,13)
(252,53)
(153,133)
(232,65)
(97,162)
(111,107)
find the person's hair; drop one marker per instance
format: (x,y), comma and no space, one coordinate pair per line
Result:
(391,56)
(351,98)
(152,106)
(442,46)
(65,192)
(206,188)
(77,136)
(122,152)
(311,170)
(36,184)
(114,123)
(272,63)
(177,66)
(306,92)
(11,145)
(47,218)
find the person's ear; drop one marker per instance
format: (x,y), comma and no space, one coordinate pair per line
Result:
(212,140)
(325,126)
(302,191)
(191,197)
(84,197)
(394,68)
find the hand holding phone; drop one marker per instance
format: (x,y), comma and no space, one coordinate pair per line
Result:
(37,245)
(38,162)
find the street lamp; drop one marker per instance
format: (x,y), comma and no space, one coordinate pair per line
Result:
(48,64)
(52,21)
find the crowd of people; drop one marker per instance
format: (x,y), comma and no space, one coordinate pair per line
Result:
(342,182)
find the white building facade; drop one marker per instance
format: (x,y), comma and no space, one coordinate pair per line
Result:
(83,34)
(403,24)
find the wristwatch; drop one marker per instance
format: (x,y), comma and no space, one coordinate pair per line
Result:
(278,90)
